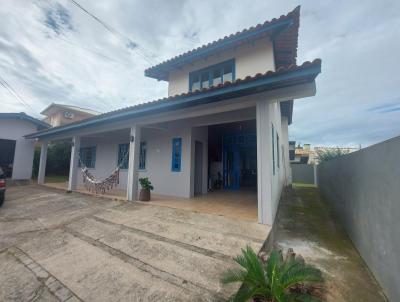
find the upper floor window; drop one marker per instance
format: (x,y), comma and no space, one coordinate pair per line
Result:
(212,75)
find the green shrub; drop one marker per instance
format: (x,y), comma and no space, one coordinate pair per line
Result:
(325,155)
(58,158)
(145,183)
(277,279)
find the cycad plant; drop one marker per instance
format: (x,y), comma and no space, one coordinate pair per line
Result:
(277,279)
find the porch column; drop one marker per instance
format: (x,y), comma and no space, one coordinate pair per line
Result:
(42,162)
(133,166)
(73,166)
(264,171)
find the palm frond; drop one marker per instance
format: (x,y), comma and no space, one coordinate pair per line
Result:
(233,276)
(244,294)
(273,279)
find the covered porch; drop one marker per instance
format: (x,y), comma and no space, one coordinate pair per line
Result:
(217,162)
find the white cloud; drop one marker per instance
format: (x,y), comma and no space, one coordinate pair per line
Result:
(53,52)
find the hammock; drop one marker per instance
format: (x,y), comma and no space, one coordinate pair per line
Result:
(101,186)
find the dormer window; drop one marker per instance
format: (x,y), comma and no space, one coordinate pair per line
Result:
(212,75)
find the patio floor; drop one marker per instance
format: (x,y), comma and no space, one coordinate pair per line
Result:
(234,204)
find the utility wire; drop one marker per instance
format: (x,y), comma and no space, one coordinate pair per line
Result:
(131,44)
(14,93)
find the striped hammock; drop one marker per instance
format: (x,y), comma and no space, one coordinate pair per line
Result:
(100,186)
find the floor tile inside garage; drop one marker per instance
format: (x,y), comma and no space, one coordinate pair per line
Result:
(72,247)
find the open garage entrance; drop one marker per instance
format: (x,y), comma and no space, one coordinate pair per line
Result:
(7,153)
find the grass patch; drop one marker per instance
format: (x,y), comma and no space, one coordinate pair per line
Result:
(303,185)
(54,178)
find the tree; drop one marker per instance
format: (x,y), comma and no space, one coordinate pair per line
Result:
(58,158)
(328,154)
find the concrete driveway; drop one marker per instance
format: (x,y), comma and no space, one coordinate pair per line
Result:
(56,246)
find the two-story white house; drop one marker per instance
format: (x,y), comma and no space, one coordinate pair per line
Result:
(222,128)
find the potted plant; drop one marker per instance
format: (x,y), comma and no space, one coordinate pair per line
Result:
(146,187)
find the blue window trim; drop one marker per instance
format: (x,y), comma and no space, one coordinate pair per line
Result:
(278,157)
(209,69)
(273,149)
(176,158)
(93,163)
(118,156)
(142,167)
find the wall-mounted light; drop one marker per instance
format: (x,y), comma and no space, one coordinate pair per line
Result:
(72,144)
(132,138)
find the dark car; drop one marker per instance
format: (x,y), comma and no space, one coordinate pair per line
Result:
(2,187)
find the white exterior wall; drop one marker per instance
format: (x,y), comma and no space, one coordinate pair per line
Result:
(158,160)
(279,178)
(24,148)
(269,184)
(250,59)
(285,144)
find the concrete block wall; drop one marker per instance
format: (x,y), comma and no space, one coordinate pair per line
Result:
(364,189)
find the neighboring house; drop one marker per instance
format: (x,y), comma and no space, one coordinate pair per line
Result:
(16,152)
(59,114)
(307,155)
(224,124)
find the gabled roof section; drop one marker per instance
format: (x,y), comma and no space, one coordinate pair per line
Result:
(54,106)
(281,78)
(283,31)
(23,116)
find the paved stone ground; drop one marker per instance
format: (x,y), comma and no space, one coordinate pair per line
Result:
(56,246)
(307,224)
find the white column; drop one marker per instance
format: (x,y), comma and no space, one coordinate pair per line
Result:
(42,162)
(264,169)
(134,149)
(73,166)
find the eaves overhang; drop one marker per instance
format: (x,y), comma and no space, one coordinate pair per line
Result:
(23,116)
(288,77)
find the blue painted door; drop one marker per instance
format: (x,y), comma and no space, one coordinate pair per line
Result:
(232,147)
(231,167)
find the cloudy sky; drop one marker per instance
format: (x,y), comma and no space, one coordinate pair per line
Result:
(51,51)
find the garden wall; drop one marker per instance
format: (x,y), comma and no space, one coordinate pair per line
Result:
(303,173)
(364,189)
